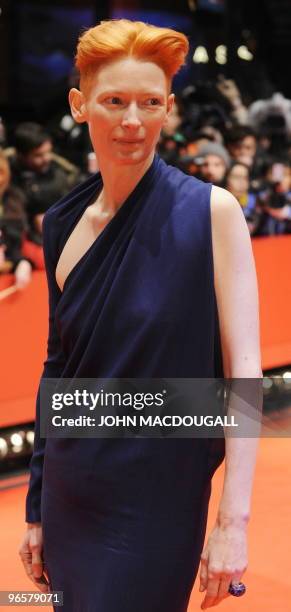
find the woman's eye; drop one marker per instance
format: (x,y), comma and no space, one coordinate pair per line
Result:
(114,100)
(152,102)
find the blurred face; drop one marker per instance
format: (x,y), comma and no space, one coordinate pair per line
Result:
(4,175)
(126,107)
(39,159)
(285,184)
(244,150)
(213,169)
(281,175)
(174,121)
(238,181)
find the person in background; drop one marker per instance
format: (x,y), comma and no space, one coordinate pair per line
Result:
(241,143)
(214,161)
(41,175)
(275,199)
(237,181)
(13,224)
(171,148)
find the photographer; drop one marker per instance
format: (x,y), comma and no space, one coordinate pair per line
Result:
(275,199)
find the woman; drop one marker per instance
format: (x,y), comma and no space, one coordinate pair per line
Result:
(237,181)
(131,286)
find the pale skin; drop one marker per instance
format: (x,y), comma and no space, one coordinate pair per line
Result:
(119,107)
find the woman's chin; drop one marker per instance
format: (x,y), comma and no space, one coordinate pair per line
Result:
(130,157)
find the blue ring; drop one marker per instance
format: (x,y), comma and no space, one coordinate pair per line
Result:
(237,590)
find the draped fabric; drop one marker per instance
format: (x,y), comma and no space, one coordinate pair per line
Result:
(117,513)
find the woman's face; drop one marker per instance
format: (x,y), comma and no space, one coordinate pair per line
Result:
(126,108)
(238,180)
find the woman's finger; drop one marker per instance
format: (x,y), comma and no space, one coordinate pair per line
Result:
(223,587)
(26,560)
(37,570)
(36,549)
(36,562)
(41,583)
(203,575)
(211,593)
(33,565)
(45,572)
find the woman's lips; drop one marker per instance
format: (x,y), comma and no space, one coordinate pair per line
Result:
(129,141)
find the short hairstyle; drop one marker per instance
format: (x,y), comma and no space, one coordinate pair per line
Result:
(120,38)
(29,136)
(237,133)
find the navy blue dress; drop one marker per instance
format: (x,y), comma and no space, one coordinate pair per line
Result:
(124,519)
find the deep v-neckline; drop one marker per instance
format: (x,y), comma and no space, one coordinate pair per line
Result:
(145,180)
(86,204)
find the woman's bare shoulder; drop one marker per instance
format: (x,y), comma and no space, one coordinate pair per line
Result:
(222,201)
(235,286)
(227,220)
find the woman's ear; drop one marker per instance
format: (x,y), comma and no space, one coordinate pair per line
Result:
(170,104)
(78,105)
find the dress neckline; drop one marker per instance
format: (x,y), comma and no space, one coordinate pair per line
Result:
(142,184)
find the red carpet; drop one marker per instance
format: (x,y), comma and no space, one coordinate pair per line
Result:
(268,577)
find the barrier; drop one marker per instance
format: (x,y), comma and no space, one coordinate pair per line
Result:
(24,321)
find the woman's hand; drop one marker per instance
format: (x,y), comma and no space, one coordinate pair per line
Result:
(23,272)
(223,560)
(30,552)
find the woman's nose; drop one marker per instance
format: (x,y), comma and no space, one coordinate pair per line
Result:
(130,117)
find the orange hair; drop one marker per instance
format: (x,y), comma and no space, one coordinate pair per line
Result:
(115,39)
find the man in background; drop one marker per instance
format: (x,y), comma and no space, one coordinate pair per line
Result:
(42,176)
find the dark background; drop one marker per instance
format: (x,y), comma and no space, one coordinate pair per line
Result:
(38,40)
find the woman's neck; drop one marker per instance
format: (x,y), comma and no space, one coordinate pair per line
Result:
(119,181)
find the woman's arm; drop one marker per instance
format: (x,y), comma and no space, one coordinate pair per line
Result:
(235,287)
(31,548)
(225,557)
(238,310)
(53,367)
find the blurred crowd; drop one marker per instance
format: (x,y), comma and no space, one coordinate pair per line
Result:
(211,135)
(33,176)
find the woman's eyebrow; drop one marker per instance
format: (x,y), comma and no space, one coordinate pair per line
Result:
(111,91)
(151,92)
